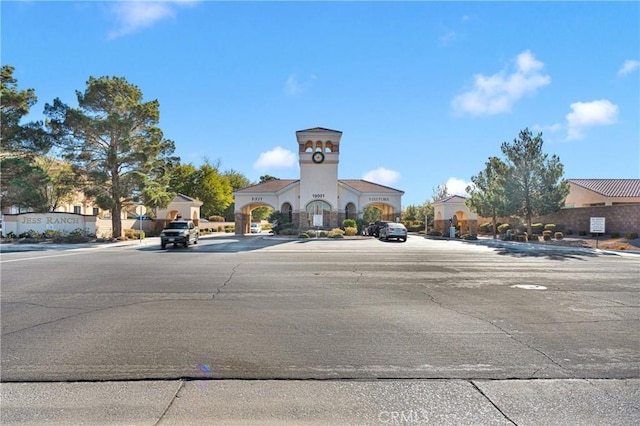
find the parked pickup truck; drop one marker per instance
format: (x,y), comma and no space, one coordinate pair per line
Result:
(177,232)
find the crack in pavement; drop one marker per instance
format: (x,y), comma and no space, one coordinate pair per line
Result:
(511,336)
(491,402)
(91,311)
(227,281)
(170,404)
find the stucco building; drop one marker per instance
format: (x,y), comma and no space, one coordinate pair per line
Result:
(318,199)
(602,192)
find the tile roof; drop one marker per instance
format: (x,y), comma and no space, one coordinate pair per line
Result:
(276,185)
(318,130)
(181,198)
(366,186)
(450,198)
(273,185)
(610,187)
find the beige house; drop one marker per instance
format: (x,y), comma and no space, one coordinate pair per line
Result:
(183,206)
(318,199)
(453,211)
(602,192)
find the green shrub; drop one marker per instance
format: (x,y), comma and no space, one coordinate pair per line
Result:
(303,235)
(229,228)
(546,237)
(216,218)
(435,233)
(349,223)
(558,235)
(486,228)
(291,231)
(569,232)
(330,235)
(533,238)
(583,233)
(503,228)
(631,236)
(31,233)
(414,225)
(469,237)
(547,232)
(51,233)
(536,228)
(615,235)
(550,227)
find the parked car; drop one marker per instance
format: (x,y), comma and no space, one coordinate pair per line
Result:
(256,228)
(177,232)
(374,228)
(393,230)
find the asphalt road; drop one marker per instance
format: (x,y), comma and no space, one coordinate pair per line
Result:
(266,331)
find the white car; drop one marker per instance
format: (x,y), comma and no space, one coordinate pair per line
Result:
(256,228)
(393,230)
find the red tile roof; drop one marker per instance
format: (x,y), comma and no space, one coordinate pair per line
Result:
(273,185)
(610,187)
(276,185)
(366,186)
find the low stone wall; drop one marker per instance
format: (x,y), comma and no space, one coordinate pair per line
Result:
(41,222)
(622,218)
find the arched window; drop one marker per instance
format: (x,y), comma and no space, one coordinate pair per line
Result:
(350,211)
(318,208)
(288,210)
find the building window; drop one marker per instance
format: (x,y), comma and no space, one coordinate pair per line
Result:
(77,209)
(316,208)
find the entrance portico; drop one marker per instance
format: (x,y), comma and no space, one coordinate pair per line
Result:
(318,192)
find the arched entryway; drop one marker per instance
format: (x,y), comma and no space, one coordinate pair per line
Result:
(318,214)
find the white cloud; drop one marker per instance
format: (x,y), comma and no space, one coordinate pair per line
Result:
(497,93)
(382,176)
(547,128)
(628,66)
(589,114)
(277,158)
(137,14)
(448,38)
(457,186)
(294,87)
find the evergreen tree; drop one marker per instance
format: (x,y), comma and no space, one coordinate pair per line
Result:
(113,140)
(487,194)
(534,184)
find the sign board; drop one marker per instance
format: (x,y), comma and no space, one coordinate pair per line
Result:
(597,225)
(317,220)
(140,210)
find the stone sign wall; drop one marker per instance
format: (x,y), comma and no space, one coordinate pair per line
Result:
(41,222)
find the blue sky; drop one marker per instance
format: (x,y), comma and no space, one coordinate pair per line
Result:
(424,92)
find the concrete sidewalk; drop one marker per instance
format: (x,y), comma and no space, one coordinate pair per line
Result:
(351,402)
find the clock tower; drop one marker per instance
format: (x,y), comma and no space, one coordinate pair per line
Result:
(318,152)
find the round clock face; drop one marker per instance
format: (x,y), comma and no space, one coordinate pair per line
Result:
(317,157)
